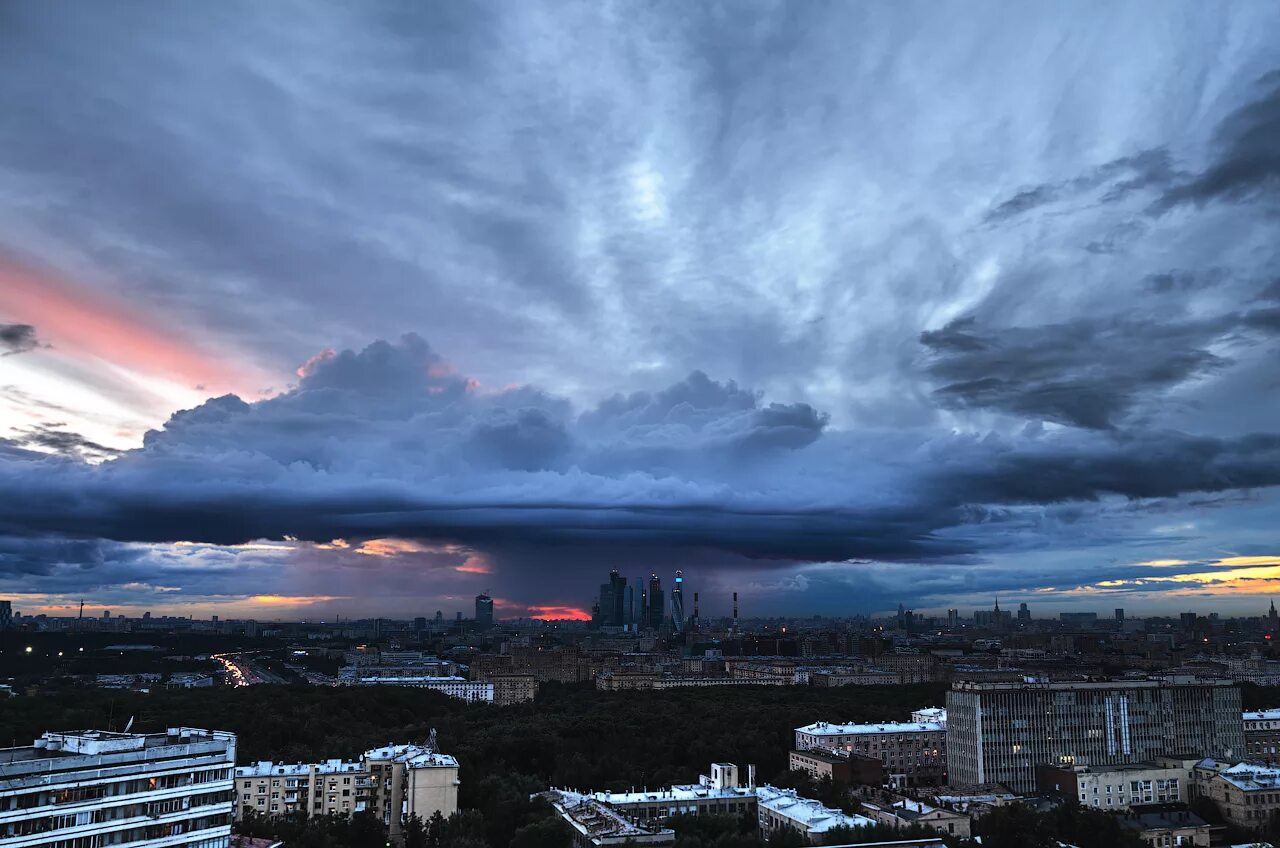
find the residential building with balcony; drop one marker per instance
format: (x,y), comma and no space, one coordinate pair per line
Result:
(394,781)
(83,789)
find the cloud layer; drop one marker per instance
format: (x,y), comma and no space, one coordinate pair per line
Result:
(992,294)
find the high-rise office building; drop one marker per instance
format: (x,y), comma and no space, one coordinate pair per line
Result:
(613,601)
(1024,614)
(1120,616)
(656,605)
(1000,732)
(484,612)
(92,787)
(6,615)
(953,619)
(677,604)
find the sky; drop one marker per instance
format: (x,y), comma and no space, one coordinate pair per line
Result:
(365,308)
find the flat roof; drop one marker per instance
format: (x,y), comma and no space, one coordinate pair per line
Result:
(822,728)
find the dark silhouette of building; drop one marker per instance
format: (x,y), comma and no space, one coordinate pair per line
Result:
(613,601)
(677,604)
(655,607)
(484,612)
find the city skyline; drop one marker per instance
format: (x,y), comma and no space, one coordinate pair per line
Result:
(835,308)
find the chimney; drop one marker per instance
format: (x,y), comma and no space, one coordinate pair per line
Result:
(751,777)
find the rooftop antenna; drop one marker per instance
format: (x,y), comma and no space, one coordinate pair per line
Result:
(431,741)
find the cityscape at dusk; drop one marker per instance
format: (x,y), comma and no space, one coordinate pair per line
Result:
(690,423)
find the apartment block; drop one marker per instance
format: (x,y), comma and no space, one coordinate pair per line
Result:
(1262,735)
(394,781)
(84,789)
(1117,787)
(999,732)
(838,765)
(1247,794)
(783,808)
(913,753)
(726,791)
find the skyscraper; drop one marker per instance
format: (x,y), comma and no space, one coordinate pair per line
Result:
(613,600)
(657,607)
(6,615)
(677,604)
(484,612)
(1024,614)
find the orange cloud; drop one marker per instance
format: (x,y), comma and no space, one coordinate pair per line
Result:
(557,613)
(292,600)
(475,564)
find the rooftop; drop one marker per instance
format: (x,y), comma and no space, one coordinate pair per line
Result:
(822,728)
(811,814)
(1248,777)
(1263,715)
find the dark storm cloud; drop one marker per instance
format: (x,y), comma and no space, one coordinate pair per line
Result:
(1246,158)
(51,437)
(1086,373)
(17,338)
(701,464)
(1116,179)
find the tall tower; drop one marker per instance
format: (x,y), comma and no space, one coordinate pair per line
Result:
(697,615)
(677,604)
(484,612)
(734,629)
(657,605)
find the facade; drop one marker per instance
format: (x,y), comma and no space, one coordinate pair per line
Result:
(913,753)
(1247,794)
(1262,735)
(999,732)
(455,687)
(907,812)
(484,612)
(861,676)
(92,787)
(512,688)
(395,782)
(1162,828)
(1116,787)
(838,765)
(782,808)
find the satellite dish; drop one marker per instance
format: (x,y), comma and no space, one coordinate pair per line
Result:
(129,724)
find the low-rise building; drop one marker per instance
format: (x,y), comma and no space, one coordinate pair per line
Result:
(596,824)
(1262,735)
(1161,828)
(839,765)
(783,808)
(913,753)
(1247,794)
(394,782)
(724,792)
(906,812)
(862,676)
(93,787)
(1117,787)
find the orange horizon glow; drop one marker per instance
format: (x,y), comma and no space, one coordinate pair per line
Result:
(292,600)
(558,613)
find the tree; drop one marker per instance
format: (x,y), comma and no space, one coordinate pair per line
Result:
(550,832)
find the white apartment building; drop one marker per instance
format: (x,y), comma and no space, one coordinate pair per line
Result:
(93,788)
(394,781)
(471,691)
(779,808)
